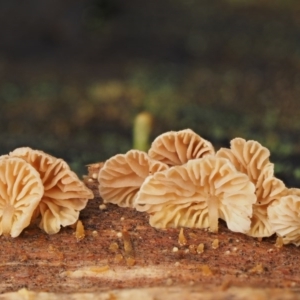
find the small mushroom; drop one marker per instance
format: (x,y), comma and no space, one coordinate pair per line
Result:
(64,194)
(122,175)
(197,194)
(21,190)
(249,157)
(260,223)
(285,218)
(252,158)
(268,187)
(177,147)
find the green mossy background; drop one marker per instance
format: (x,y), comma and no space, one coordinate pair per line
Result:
(72,83)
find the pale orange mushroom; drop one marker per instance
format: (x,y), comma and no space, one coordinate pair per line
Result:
(122,175)
(251,158)
(64,194)
(177,147)
(284,216)
(21,190)
(197,194)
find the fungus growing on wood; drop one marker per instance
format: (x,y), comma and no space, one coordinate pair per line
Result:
(251,158)
(122,175)
(197,194)
(177,147)
(21,190)
(64,194)
(260,224)
(80,232)
(285,218)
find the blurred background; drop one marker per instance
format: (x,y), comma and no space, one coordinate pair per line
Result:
(74,74)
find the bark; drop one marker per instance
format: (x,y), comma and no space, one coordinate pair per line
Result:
(122,257)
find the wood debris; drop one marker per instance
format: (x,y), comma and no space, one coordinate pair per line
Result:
(200,248)
(279,242)
(182,241)
(79,233)
(258,269)
(206,271)
(128,248)
(215,244)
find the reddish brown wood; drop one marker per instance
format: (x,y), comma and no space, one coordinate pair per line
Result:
(99,262)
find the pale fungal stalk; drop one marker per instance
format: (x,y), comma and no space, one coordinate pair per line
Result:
(21,190)
(7,219)
(197,194)
(213,214)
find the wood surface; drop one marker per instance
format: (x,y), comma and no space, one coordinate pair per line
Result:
(122,257)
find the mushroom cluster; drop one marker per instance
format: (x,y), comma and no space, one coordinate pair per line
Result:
(197,194)
(122,176)
(35,186)
(183,182)
(252,159)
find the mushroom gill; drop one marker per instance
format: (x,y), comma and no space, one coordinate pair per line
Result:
(177,147)
(64,194)
(21,190)
(197,194)
(251,158)
(284,216)
(122,175)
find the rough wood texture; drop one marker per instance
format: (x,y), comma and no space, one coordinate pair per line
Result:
(121,251)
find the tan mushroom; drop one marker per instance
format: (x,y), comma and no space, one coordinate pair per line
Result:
(251,158)
(64,194)
(260,223)
(197,194)
(268,189)
(284,216)
(177,147)
(21,190)
(122,175)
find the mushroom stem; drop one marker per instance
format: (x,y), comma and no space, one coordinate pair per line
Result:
(213,215)
(141,131)
(7,219)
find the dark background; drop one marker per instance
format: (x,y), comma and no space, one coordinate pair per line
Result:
(74,74)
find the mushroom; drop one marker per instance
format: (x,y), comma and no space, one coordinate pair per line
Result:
(251,158)
(268,187)
(21,190)
(260,223)
(285,218)
(176,148)
(197,194)
(64,194)
(122,175)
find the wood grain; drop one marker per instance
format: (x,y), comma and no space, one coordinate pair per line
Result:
(122,253)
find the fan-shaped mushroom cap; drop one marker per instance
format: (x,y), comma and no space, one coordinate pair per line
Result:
(64,194)
(260,223)
(197,194)
(177,147)
(252,159)
(249,157)
(285,218)
(21,190)
(122,175)
(268,187)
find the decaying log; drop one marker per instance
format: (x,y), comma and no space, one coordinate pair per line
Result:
(122,257)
